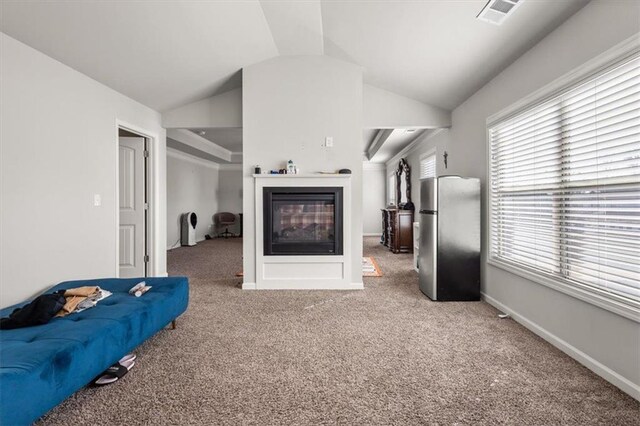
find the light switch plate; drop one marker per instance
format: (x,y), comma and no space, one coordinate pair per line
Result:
(328,142)
(97,200)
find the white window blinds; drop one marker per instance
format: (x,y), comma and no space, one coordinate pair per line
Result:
(428,166)
(565,186)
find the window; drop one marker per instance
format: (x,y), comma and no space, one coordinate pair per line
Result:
(565,186)
(391,189)
(428,166)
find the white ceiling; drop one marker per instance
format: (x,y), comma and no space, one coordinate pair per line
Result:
(435,51)
(160,53)
(296,26)
(168,53)
(227,137)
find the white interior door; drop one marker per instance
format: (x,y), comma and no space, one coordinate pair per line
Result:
(132,231)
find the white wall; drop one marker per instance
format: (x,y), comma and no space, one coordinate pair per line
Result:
(59,147)
(606,342)
(230,192)
(192,186)
(373,197)
(382,109)
(289,105)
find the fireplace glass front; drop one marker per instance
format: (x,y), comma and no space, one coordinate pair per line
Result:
(303,221)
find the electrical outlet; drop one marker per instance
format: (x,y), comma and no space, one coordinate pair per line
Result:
(97,200)
(328,142)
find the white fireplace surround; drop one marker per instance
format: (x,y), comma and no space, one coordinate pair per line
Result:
(314,272)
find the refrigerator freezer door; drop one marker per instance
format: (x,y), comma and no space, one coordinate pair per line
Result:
(429,195)
(427,255)
(458,254)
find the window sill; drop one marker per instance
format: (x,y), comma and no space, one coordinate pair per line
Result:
(617,307)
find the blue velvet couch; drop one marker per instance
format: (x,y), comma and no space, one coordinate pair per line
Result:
(41,366)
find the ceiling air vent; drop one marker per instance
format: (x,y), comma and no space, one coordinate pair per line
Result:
(496,11)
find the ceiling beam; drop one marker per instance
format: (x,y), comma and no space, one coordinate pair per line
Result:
(194,144)
(379,140)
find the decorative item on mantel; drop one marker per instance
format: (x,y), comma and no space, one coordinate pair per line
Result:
(296,171)
(290,169)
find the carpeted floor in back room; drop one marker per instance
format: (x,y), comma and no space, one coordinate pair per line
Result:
(384,355)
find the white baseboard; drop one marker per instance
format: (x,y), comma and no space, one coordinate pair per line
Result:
(179,244)
(248,286)
(350,286)
(375,234)
(597,367)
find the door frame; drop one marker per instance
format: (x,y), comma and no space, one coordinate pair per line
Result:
(152,222)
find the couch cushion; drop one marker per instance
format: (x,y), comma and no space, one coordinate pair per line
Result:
(40,366)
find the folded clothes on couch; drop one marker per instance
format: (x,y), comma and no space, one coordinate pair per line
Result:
(80,298)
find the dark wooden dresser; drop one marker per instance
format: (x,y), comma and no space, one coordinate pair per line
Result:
(397,230)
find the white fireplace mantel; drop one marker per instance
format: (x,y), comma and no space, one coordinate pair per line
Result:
(324,272)
(302,175)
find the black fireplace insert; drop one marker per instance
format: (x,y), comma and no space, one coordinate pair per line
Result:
(302,221)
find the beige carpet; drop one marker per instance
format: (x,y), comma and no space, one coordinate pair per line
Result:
(385,355)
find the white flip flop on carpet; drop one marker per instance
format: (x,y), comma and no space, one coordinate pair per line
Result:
(116,371)
(127,358)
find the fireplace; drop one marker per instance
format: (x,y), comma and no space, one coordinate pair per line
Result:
(302,221)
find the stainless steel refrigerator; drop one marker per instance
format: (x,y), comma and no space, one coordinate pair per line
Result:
(449,253)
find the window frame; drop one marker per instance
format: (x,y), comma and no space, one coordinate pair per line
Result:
(620,53)
(432,152)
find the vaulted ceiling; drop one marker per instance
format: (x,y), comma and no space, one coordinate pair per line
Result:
(168,53)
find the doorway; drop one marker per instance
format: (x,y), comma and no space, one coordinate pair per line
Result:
(133,204)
